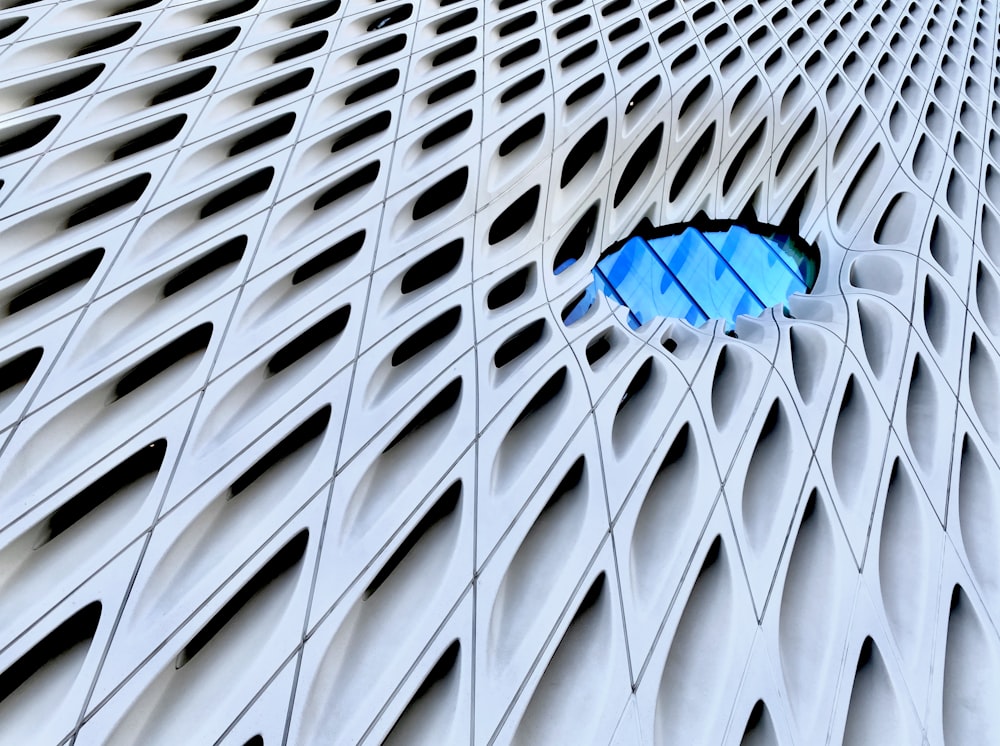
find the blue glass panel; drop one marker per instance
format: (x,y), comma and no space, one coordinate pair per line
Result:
(711,282)
(582,306)
(564,266)
(760,264)
(697,276)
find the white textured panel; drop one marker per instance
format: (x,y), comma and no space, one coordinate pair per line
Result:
(295,446)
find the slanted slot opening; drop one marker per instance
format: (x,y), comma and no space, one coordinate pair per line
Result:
(225,255)
(210,44)
(330,257)
(119,196)
(443,402)
(184,86)
(284,86)
(528,83)
(509,289)
(390,46)
(588,147)
(286,558)
(17,371)
(527,132)
(517,217)
(265,133)
(451,86)
(311,43)
(228,10)
(72,274)
(78,629)
(442,508)
(149,137)
(314,13)
(445,192)
(359,179)
(27,135)
(639,164)
(322,332)
(63,84)
(370,127)
(433,267)
(191,343)
(427,336)
(519,343)
(577,241)
(444,132)
(147,460)
(310,430)
(373,86)
(246,188)
(455,51)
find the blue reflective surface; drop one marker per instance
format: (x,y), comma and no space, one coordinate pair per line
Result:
(699,276)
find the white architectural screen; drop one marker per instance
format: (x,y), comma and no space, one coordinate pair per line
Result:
(296,447)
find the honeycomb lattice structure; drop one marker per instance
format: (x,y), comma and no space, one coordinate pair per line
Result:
(296,447)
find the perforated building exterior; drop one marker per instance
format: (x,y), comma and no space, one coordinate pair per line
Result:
(296,447)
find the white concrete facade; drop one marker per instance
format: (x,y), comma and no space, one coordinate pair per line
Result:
(295,446)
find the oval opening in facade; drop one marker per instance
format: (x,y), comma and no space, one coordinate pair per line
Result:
(699,271)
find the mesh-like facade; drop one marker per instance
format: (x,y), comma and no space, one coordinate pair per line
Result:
(296,447)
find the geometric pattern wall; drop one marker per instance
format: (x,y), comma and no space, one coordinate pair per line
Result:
(297,448)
